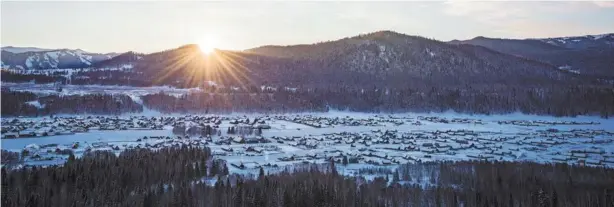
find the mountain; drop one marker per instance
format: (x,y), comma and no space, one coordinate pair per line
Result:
(383,58)
(378,59)
(393,56)
(513,46)
(582,42)
(36,58)
(590,55)
(124,60)
(23,49)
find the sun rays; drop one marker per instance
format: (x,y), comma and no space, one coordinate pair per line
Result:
(208,44)
(195,64)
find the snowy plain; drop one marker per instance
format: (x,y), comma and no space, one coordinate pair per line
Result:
(591,140)
(67,90)
(375,139)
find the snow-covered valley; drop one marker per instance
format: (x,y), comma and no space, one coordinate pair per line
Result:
(357,138)
(67,90)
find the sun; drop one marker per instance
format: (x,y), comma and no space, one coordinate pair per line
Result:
(208,45)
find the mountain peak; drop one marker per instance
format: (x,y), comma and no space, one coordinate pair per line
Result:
(14,49)
(189,47)
(582,42)
(39,58)
(603,36)
(558,51)
(387,32)
(382,34)
(17,50)
(480,38)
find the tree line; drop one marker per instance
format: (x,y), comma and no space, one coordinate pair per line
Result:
(570,101)
(17,103)
(561,101)
(173,177)
(7,76)
(100,178)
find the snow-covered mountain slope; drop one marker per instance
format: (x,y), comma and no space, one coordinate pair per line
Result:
(582,42)
(590,54)
(121,61)
(381,58)
(23,49)
(34,58)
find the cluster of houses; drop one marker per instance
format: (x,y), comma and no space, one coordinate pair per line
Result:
(590,156)
(388,147)
(16,128)
(545,123)
(182,125)
(61,151)
(209,126)
(242,136)
(323,122)
(436,119)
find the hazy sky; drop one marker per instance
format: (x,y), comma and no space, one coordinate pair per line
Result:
(153,26)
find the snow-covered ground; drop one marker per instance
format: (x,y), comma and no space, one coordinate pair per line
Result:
(370,139)
(49,89)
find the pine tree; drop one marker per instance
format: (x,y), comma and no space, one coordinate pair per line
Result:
(71,157)
(395,176)
(203,169)
(333,168)
(214,168)
(261,173)
(224,169)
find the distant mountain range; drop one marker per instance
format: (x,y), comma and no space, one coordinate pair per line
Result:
(23,49)
(394,57)
(38,58)
(582,42)
(124,60)
(375,59)
(590,54)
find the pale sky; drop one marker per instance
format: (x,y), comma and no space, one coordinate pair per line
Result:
(153,26)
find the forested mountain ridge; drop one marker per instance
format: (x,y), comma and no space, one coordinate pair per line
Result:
(582,42)
(590,55)
(378,59)
(382,71)
(122,60)
(381,58)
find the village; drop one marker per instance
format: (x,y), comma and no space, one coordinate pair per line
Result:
(253,141)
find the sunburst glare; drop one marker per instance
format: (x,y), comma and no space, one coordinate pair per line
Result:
(194,66)
(208,44)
